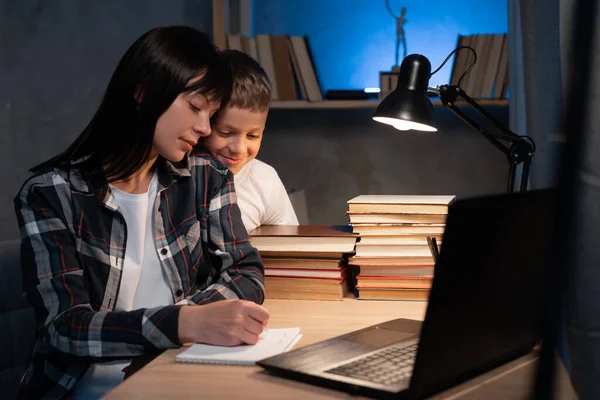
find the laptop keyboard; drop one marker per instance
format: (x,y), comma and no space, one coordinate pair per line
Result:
(386,366)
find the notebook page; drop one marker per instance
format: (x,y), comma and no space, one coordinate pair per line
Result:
(270,343)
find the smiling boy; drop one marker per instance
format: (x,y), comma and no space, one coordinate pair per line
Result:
(237,132)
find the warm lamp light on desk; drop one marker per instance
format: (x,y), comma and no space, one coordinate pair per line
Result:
(408,107)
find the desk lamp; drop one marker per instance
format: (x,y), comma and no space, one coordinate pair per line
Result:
(408,107)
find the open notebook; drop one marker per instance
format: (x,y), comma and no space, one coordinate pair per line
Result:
(270,343)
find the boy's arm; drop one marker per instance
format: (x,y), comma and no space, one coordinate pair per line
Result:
(54,285)
(241,271)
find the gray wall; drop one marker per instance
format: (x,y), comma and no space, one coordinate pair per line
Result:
(56,58)
(334,155)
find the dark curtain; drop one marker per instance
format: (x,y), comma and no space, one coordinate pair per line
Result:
(539,47)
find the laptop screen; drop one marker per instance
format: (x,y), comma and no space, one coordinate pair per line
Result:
(487,299)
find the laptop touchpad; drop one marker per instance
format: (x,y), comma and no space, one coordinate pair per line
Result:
(378,337)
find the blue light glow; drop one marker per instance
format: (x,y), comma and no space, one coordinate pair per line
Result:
(352,40)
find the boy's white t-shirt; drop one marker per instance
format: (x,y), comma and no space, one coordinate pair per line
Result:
(261,196)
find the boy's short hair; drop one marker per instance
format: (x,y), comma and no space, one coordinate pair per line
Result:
(251,85)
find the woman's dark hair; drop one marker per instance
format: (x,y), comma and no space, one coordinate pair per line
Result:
(153,72)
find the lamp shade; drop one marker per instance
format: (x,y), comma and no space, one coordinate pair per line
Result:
(407,106)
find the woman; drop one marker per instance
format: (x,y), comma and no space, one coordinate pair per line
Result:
(131,227)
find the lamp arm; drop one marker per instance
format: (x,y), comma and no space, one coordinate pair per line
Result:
(520,149)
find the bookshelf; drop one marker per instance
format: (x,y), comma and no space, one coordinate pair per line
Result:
(289,65)
(350,104)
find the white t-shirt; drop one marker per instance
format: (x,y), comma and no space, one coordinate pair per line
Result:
(143,283)
(261,196)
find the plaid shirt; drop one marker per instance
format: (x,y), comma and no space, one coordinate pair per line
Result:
(73,249)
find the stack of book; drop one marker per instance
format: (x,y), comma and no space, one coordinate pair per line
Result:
(393,255)
(306,262)
(286,59)
(288,62)
(489,77)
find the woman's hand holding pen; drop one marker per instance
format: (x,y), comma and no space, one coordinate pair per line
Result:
(223,323)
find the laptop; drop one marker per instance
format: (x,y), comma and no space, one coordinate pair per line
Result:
(485,308)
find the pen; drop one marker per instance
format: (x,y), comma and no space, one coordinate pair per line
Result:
(433,248)
(264,332)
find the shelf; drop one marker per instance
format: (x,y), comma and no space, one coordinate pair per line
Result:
(324,104)
(346,104)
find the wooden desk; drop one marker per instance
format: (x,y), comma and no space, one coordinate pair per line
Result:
(318,320)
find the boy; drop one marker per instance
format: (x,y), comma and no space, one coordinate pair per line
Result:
(237,131)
